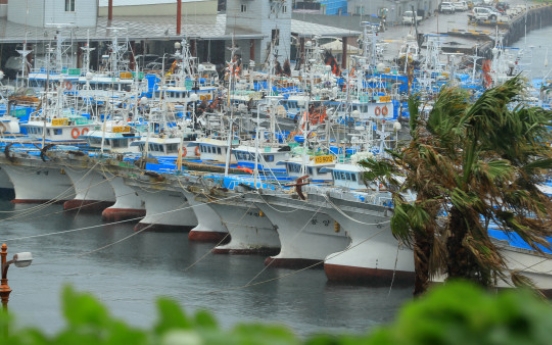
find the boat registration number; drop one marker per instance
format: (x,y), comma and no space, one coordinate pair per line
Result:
(323,159)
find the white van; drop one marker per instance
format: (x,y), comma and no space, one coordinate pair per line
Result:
(460,6)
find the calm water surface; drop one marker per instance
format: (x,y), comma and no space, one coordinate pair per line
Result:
(128,271)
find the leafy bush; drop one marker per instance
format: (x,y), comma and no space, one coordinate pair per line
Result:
(457,313)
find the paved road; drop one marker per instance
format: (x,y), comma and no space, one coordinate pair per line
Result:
(440,23)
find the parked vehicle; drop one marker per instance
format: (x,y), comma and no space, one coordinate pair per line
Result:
(483,14)
(409,17)
(460,6)
(446,7)
(502,7)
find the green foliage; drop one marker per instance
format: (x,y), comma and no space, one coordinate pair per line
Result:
(461,314)
(456,313)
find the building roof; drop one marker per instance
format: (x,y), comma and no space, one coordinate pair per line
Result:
(104,3)
(308,30)
(206,27)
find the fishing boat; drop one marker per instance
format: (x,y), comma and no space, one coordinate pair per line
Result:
(209,226)
(307,234)
(251,232)
(36,178)
(167,209)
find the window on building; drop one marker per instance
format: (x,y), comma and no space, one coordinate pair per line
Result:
(69,5)
(284,9)
(243,8)
(276,37)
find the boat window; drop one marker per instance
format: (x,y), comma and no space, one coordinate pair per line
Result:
(116,143)
(172,148)
(364,108)
(48,132)
(107,142)
(309,171)
(94,141)
(294,168)
(348,176)
(353,177)
(335,175)
(269,158)
(218,150)
(342,175)
(318,171)
(58,131)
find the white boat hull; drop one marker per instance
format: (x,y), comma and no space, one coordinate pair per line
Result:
(209,227)
(38,181)
(166,210)
(534,266)
(93,192)
(250,231)
(374,256)
(307,235)
(128,204)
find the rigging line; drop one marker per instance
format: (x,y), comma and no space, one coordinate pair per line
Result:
(527,266)
(394,269)
(351,218)
(295,272)
(207,253)
(93,226)
(40,207)
(67,191)
(266,281)
(61,211)
(116,242)
(134,233)
(274,208)
(294,236)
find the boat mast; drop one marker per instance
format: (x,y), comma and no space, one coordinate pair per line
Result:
(232,67)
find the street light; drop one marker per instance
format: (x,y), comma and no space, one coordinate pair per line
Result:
(23,259)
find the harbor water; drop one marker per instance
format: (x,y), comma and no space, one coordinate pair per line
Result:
(127,271)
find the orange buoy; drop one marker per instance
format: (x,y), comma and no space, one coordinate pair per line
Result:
(377,111)
(384,110)
(75,133)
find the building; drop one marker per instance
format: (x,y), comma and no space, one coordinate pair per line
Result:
(152,26)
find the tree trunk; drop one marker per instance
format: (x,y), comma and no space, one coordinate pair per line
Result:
(423,242)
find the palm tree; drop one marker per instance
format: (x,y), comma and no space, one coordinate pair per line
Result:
(478,162)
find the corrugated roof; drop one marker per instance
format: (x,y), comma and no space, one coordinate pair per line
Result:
(307,29)
(206,27)
(104,3)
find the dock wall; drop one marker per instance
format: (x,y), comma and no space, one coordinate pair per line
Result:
(537,17)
